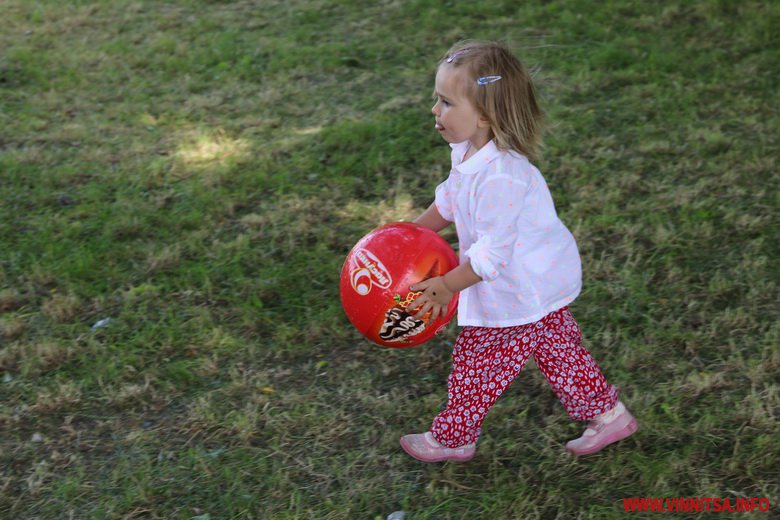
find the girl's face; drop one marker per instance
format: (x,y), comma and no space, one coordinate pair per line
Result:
(457,119)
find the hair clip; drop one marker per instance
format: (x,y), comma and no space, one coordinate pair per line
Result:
(455,55)
(487,80)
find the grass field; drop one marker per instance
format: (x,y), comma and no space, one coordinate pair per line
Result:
(195,171)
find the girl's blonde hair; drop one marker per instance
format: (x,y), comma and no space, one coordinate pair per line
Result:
(509,104)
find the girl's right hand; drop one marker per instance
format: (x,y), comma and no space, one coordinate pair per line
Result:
(435,298)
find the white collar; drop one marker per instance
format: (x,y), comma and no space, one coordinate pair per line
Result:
(476,162)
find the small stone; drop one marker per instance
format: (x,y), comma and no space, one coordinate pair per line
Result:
(101,324)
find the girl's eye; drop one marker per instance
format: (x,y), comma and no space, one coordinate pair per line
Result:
(443,101)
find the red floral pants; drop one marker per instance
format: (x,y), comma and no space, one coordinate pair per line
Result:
(486,360)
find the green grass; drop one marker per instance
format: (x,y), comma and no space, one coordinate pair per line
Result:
(197,170)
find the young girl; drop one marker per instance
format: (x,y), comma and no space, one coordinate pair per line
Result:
(519,268)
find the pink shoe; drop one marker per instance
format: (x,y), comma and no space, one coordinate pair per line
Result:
(422,446)
(609,427)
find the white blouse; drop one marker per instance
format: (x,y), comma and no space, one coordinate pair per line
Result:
(507,226)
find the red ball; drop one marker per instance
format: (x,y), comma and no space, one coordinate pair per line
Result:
(376,277)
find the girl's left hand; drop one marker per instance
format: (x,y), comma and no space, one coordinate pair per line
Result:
(435,297)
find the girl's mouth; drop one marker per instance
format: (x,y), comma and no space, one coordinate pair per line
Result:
(439,127)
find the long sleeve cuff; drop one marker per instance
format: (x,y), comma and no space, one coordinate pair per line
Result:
(479,254)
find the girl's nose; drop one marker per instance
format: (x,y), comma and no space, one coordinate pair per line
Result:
(434,109)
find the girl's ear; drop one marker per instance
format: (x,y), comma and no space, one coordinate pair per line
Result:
(483,122)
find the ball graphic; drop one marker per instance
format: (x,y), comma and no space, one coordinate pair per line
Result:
(375,282)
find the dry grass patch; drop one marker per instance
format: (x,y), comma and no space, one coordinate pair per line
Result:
(64,397)
(62,308)
(11,327)
(11,300)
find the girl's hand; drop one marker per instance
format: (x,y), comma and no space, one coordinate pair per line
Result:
(435,297)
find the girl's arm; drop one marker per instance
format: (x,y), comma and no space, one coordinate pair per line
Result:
(438,291)
(461,277)
(432,219)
